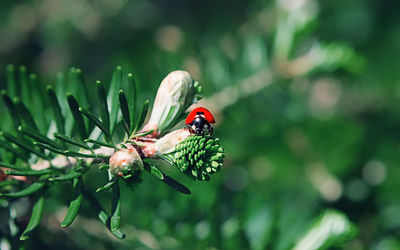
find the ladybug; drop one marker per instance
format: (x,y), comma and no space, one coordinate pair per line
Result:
(198,120)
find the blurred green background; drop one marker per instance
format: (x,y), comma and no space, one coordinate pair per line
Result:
(305,94)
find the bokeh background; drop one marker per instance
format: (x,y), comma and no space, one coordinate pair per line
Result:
(306,97)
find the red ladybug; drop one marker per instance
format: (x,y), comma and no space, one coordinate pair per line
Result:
(198,120)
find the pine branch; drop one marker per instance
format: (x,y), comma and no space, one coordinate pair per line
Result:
(45,158)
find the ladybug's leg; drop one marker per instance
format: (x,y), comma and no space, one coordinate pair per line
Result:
(210,130)
(190,129)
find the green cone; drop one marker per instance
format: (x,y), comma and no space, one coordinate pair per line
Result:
(198,156)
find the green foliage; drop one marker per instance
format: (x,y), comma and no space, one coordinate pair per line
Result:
(75,203)
(330,229)
(36,217)
(61,157)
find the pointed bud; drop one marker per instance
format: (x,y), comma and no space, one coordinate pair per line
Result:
(176,93)
(168,142)
(165,144)
(125,161)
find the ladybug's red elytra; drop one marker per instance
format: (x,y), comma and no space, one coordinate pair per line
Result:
(199,120)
